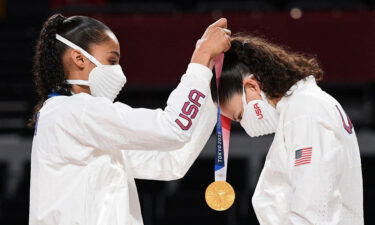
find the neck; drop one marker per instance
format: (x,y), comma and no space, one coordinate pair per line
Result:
(80,89)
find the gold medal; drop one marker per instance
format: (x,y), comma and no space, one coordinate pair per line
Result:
(220,195)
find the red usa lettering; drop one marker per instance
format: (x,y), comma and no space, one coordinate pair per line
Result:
(348,126)
(190,110)
(258,111)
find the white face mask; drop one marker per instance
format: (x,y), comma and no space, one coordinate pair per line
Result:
(259,117)
(104,80)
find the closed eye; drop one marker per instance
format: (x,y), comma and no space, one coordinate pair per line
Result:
(114,57)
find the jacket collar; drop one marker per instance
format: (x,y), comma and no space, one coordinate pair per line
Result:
(296,88)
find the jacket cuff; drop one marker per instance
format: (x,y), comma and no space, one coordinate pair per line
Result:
(199,71)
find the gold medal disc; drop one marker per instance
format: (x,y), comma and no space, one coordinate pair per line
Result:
(220,195)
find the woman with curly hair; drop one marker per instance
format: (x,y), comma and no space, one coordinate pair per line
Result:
(312,173)
(87,150)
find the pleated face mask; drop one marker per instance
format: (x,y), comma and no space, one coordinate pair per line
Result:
(104,80)
(259,117)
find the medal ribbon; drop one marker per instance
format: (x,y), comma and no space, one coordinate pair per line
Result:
(223,126)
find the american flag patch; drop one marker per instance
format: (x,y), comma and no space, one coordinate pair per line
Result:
(303,156)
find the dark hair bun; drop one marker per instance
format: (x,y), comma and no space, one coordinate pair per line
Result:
(53,23)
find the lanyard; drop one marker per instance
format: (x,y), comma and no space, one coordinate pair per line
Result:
(222,130)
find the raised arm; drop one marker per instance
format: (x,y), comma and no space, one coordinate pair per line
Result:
(120,127)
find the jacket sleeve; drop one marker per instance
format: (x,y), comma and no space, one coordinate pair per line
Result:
(116,126)
(314,156)
(171,165)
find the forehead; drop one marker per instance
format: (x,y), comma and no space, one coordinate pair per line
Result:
(111,44)
(233,107)
(112,36)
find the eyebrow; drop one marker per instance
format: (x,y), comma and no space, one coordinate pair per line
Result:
(115,52)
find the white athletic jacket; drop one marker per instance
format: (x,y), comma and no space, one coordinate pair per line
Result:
(312,174)
(87,151)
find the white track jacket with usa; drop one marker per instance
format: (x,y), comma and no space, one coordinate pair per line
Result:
(87,151)
(312,174)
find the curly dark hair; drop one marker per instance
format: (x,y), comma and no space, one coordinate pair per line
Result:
(49,74)
(275,68)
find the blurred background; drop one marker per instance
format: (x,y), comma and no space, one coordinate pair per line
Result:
(157,39)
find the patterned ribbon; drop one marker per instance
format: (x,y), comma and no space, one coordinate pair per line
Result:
(223,126)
